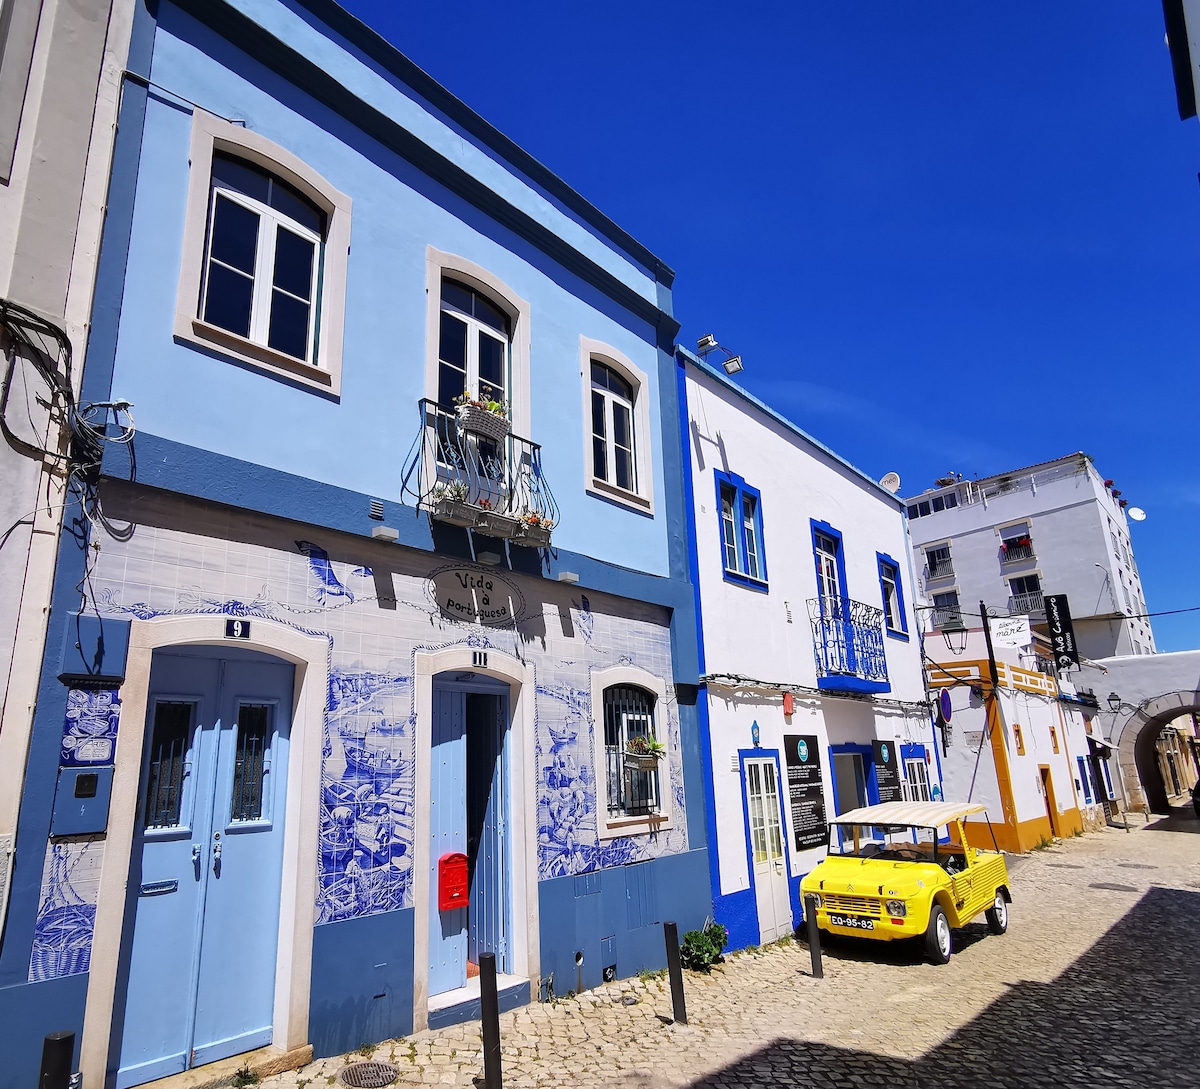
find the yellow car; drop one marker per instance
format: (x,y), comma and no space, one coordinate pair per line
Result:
(887,876)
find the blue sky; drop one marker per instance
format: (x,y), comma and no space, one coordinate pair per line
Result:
(943,235)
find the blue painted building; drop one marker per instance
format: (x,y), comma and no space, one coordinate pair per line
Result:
(812,698)
(354,637)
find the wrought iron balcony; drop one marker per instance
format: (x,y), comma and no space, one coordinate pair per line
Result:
(947,616)
(1026,603)
(848,643)
(471,471)
(1017,551)
(941,568)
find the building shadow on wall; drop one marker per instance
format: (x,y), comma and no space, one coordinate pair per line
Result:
(1124,1013)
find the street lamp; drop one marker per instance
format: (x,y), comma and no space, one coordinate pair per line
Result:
(954,632)
(1115,703)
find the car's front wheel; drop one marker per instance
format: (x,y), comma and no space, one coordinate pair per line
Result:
(937,936)
(997,914)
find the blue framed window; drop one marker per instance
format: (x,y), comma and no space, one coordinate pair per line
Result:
(739,511)
(895,619)
(1084,779)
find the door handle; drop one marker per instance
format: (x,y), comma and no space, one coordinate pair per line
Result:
(216,854)
(196,859)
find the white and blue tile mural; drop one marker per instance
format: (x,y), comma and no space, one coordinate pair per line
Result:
(368,789)
(90,729)
(62,939)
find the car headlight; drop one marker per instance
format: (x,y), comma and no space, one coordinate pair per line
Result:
(816,899)
(896,907)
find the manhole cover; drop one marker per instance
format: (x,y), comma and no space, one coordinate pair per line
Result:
(1114,888)
(1136,866)
(369,1075)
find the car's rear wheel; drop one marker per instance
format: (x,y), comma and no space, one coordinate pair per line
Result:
(997,914)
(937,936)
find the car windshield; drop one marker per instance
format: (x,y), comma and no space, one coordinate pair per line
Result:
(894,842)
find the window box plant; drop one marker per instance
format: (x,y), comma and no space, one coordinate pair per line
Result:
(448,503)
(483,414)
(643,752)
(534,530)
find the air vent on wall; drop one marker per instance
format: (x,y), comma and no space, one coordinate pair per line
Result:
(376,510)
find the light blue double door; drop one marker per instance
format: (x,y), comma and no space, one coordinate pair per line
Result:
(469,807)
(205,876)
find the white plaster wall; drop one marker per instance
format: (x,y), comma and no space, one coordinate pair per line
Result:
(1068,522)
(969,774)
(766,635)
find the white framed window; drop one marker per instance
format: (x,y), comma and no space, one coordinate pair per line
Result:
(629,703)
(265,250)
(262,262)
(616,414)
(939,561)
(916,781)
(478,337)
(474,346)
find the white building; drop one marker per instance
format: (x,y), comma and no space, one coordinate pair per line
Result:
(812,700)
(1058,527)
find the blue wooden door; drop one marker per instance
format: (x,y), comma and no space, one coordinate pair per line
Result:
(468,814)
(447,834)
(201,967)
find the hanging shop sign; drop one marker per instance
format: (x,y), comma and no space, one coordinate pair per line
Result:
(1010,631)
(887,771)
(806,795)
(1062,631)
(471,595)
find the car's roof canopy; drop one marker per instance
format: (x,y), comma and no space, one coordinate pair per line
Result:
(919,814)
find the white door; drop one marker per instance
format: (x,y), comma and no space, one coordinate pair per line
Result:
(766,845)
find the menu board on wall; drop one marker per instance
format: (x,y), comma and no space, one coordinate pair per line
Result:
(887,771)
(805,794)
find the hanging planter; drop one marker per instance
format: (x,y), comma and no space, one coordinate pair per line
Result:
(480,419)
(643,753)
(533,531)
(637,762)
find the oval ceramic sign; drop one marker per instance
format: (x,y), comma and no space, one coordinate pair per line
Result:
(471,595)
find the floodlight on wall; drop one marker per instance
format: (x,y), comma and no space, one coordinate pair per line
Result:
(706,344)
(490,558)
(568,576)
(733,364)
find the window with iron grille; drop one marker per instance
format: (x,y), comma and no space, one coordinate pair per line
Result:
(629,713)
(938,559)
(170,746)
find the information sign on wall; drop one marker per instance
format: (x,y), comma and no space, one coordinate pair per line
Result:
(887,771)
(1062,631)
(805,794)
(476,597)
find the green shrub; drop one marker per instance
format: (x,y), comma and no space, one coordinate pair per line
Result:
(701,949)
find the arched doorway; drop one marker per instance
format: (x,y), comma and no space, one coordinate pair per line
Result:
(1137,740)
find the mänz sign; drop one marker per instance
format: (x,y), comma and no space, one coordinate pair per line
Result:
(1010,631)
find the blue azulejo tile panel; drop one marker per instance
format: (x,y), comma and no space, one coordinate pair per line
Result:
(362,982)
(90,729)
(374,625)
(62,940)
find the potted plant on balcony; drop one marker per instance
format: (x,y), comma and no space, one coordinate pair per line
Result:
(483,415)
(448,503)
(643,752)
(533,530)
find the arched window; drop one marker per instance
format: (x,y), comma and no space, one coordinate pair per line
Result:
(617,431)
(473,347)
(633,778)
(613,451)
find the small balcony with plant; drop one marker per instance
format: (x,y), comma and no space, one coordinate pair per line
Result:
(466,468)
(848,645)
(1017,549)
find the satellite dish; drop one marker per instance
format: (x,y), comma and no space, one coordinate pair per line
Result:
(891,483)
(1137,514)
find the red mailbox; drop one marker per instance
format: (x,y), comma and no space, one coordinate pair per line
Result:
(452,881)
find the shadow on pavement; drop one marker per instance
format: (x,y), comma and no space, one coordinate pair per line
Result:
(1182,818)
(1124,1013)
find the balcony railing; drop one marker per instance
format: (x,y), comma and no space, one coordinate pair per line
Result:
(941,569)
(848,639)
(1026,603)
(1016,551)
(488,482)
(947,616)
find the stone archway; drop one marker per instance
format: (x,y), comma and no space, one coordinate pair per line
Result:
(1135,739)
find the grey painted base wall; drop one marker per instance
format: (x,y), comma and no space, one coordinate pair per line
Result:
(362,982)
(615,917)
(28,1013)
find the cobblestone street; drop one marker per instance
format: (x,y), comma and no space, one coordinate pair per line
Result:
(1096,982)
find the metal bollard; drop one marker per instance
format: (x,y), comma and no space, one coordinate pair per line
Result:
(489,1011)
(58,1052)
(814,936)
(675,971)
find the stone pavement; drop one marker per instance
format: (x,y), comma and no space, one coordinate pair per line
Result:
(1097,982)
